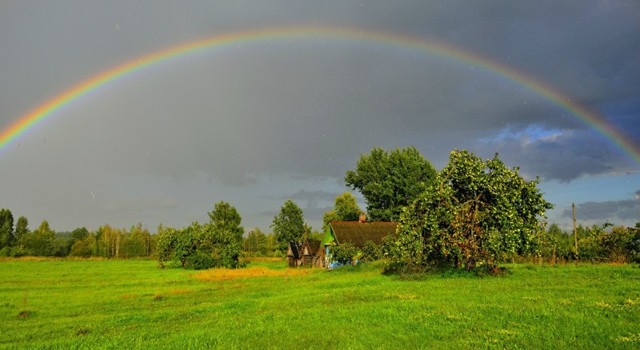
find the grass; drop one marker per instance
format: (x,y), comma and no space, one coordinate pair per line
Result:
(116,304)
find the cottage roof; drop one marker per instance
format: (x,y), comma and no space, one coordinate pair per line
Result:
(295,250)
(314,245)
(357,233)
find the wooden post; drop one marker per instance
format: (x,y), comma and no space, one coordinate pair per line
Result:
(575,229)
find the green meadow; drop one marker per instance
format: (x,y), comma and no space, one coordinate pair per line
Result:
(120,304)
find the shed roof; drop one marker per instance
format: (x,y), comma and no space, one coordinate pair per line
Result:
(314,245)
(295,249)
(357,233)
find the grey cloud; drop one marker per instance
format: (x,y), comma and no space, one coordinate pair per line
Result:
(302,109)
(564,157)
(622,210)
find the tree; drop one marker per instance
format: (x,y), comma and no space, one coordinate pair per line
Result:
(215,244)
(79,233)
(288,225)
(136,243)
(474,213)
(187,242)
(40,242)
(167,237)
(83,247)
(22,227)
(7,238)
(226,217)
(345,208)
(390,181)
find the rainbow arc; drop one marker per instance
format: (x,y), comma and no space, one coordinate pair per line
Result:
(432,47)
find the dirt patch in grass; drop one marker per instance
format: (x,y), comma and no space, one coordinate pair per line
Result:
(230,274)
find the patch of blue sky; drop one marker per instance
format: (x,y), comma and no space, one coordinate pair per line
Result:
(529,134)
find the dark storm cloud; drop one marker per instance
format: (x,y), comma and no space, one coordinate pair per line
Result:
(621,209)
(562,156)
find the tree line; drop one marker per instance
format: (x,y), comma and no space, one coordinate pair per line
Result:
(105,242)
(219,243)
(473,214)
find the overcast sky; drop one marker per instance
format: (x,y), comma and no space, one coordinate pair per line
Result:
(258,123)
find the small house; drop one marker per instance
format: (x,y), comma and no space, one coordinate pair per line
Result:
(356,233)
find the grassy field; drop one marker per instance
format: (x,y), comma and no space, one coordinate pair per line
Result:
(134,304)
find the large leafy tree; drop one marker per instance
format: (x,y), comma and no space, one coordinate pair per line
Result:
(215,244)
(288,225)
(390,180)
(225,217)
(473,214)
(345,209)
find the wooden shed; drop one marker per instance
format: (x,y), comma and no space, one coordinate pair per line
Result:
(304,254)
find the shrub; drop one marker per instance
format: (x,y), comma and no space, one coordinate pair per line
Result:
(200,261)
(371,251)
(344,254)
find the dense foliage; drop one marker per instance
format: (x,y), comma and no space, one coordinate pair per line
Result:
(389,181)
(288,225)
(475,213)
(345,253)
(216,244)
(597,243)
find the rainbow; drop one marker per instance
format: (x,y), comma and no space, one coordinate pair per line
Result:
(26,122)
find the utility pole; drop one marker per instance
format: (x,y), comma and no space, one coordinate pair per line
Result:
(575,229)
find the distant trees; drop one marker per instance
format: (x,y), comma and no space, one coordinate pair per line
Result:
(40,242)
(474,214)
(616,244)
(390,180)
(345,209)
(256,243)
(288,225)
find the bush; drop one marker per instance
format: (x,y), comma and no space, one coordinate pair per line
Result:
(200,261)
(344,254)
(371,252)
(5,251)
